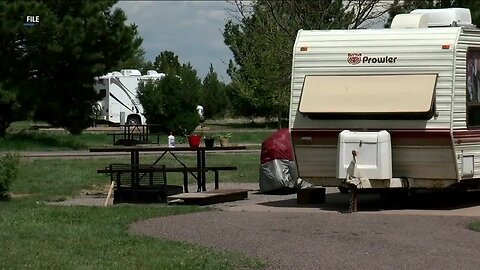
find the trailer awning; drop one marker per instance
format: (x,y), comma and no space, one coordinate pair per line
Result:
(369,96)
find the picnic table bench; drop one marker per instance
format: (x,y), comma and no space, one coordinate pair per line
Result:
(156,174)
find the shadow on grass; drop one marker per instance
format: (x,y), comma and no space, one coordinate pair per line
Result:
(25,140)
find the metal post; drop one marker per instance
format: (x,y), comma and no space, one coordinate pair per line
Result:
(122,118)
(354,200)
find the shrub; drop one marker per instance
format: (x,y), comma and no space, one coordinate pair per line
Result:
(8,173)
(474,225)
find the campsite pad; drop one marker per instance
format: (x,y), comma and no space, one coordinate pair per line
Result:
(211,197)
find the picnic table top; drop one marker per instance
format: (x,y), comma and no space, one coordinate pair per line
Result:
(165,148)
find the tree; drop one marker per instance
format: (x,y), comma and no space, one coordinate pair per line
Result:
(9,109)
(135,61)
(147,65)
(53,64)
(408,5)
(167,62)
(214,98)
(261,39)
(171,101)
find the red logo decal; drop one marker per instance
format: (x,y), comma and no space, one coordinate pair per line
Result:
(354,58)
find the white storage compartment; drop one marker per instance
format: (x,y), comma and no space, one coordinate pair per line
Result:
(467,165)
(374,154)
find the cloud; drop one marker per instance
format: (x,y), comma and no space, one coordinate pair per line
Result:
(191,29)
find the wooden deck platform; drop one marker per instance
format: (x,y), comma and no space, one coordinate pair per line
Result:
(211,197)
(145,194)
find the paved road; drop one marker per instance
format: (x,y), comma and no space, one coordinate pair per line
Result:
(87,154)
(424,233)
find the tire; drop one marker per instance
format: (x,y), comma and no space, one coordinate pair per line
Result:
(96,110)
(134,120)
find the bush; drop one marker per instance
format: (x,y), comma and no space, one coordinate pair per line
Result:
(8,173)
(171,101)
(474,225)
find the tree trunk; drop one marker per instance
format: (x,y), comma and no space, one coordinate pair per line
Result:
(279,119)
(3,128)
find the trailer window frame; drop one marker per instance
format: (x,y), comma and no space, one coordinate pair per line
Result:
(424,110)
(472,87)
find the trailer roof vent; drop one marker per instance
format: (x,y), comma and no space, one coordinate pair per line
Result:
(410,21)
(130,72)
(152,72)
(446,17)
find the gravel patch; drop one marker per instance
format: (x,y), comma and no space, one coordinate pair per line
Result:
(426,233)
(289,240)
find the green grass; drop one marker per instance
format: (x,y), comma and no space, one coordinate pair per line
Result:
(37,235)
(20,138)
(245,124)
(239,137)
(49,141)
(65,177)
(475,226)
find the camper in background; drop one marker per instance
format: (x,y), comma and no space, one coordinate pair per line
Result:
(120,104)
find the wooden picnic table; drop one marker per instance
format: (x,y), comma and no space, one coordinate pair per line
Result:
(201,166)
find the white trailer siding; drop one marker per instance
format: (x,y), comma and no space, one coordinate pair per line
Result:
(464,145)
(418,51)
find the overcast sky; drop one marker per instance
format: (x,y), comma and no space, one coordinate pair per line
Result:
(191,29)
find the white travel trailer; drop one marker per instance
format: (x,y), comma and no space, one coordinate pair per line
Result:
(385,108)
(120,104)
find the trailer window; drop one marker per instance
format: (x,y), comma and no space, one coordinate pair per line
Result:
(369,96)
(473,85)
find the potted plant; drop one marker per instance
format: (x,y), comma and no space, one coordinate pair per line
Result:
(193,139)
(208,140)
(224,139)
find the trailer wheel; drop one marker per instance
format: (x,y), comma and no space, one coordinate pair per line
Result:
(134,120)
